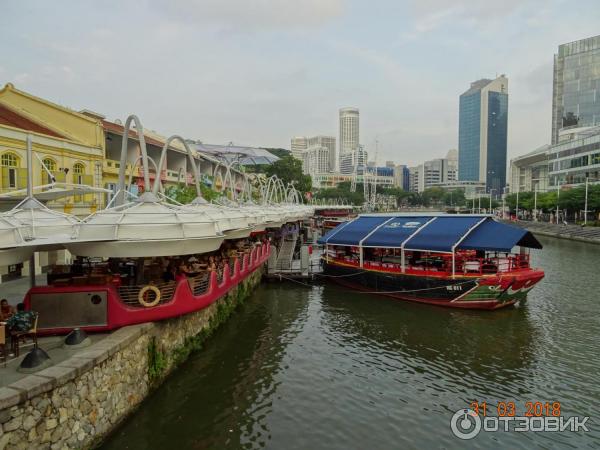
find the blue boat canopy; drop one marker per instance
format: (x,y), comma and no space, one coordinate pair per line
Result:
(435,233)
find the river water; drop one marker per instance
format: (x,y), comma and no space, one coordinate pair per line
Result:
(320,367)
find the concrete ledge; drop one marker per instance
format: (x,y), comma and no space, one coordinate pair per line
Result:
(97,355)
(81,365)
(33,385)
(123,337)
(11,397)
(58,373)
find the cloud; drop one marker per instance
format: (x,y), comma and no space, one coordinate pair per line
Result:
(252,14)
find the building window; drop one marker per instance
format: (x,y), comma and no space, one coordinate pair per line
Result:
(10,163)
(48,170)
(78,172)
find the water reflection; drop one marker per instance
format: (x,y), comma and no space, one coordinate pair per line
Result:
(324,368)
(470,343)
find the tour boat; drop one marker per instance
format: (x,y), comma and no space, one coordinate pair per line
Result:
(461,261)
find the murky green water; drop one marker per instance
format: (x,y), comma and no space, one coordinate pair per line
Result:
(322,368)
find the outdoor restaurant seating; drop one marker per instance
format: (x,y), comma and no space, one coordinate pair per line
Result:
(17,336)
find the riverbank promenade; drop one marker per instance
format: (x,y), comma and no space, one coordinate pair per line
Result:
(568,231)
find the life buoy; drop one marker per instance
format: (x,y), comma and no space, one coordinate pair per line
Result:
(143,301)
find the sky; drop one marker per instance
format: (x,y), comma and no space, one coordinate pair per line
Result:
(257,72)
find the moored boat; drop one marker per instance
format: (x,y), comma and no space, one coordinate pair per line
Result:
(461,261)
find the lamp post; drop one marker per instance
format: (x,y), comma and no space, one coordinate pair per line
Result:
(557,197)
(517,206)
(535,203)
(586,202)
(491,193)
(479,202)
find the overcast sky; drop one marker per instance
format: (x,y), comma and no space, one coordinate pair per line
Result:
(257,72)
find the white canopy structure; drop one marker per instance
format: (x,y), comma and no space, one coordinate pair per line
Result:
(145,227)
(12,249)
(233,223)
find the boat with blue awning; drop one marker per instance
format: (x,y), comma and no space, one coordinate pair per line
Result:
(464,261)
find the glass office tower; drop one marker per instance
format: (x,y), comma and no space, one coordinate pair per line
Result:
(482,133)
(576,86)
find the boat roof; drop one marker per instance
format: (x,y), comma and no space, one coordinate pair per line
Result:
(442,233)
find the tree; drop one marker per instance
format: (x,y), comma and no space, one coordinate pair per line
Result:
(289,170)
(185,194)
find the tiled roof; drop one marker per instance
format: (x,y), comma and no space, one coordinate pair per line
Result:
(116,128)
(12,119)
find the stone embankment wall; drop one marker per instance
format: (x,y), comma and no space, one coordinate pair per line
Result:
(572,232)
(77,402)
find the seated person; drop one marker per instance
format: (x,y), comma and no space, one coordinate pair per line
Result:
(21,321)
(169,273)
(6,310)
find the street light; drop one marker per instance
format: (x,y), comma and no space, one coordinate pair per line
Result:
(557,197)
(586,202)
(535,203)
(491,193)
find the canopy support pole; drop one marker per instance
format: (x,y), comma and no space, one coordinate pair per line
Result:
(414,233)
(464,236)
(360,247)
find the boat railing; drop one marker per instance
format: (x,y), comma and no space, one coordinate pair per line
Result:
(200,283)
(130,295)
(465,264)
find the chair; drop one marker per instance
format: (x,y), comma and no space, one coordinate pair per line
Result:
(3,342)
(16,336)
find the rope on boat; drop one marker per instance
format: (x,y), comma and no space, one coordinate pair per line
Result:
(384,292)
(340,276)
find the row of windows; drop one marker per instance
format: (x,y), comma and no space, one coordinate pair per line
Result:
(12,160)
(573,163)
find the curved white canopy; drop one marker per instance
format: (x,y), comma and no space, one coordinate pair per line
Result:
(40,226)
(11,241)
(147,228)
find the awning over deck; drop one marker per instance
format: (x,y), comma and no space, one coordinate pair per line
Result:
(436,233)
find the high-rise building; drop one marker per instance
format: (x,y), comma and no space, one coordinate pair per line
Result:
(329,143)
(482,133)
(353,161)
(315,160)
(576,87)
(401,177)
(349,130)
(298,145)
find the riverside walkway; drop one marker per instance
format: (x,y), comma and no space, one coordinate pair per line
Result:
(569,231)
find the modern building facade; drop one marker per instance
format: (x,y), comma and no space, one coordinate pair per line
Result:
(401,177)
(482,133)
(329,143)
(354,161)
(576,87)
(433,172)
(298,145)
(315,160)
(349,130)
(564,164)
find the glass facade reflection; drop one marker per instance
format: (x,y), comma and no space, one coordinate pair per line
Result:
(482,133)
(469,125)
(576,85)
(496,140)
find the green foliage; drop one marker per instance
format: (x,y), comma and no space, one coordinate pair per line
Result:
(279,152)
(157,361)
(430,197)
(185,194)
(572,199)
(289,169)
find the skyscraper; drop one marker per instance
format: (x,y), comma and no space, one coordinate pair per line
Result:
(298,145)
(576,86)
(482,133)
(349,135)
(327,142)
